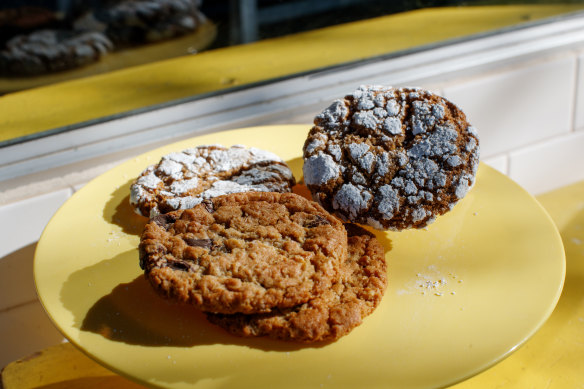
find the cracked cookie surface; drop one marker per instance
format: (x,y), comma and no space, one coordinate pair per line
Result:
(333,313)
(245,252)
(184,179)
(391,158)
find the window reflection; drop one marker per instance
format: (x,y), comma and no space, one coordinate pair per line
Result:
(212,47)
(43,37)
(57,38)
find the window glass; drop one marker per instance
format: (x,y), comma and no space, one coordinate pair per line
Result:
(140,53)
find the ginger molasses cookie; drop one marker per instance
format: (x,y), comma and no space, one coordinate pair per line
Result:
(329,315)
(244,252)
(392,158)
(184,179)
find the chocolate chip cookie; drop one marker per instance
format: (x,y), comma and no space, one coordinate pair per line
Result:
(245,252)
(184,179)
(333,313)
(391,158)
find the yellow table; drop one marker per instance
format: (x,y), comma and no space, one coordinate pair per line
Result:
(554,357)
(551,359)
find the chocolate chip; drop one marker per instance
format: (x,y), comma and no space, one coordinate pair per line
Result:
(183,266)
(318,221)
(163,220)
(208,204)
(204,243)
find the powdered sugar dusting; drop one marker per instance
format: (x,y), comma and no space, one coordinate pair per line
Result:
(182,179)
(149,181)
(352,198)
(171,168)
(317,143)
(388,201)
(357,150)
(335,113)
(182,158)
(464,184)
(180,187)
(366,119)
(320,169)
(186,202)
(226,187)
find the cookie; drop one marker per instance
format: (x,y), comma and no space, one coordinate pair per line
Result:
(331,314)
(391,158)
(47,51)
(244,252)
(182,180)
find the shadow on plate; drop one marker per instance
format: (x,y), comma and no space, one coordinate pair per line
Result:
(573,291)
(110,382)
(133,313)
(295,164)
(118,211)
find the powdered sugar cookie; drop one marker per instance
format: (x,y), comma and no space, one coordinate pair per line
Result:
(392,158)
(184,179)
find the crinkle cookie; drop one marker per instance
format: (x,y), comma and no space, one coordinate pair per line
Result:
(392,158)
(245,252)
(331,314)
(184,179)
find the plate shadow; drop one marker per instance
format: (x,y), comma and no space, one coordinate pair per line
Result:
(133,313)
(118,211)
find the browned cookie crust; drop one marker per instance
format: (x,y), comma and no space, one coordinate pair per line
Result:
(244,252)
(182,180)
(392,158)
(331,314)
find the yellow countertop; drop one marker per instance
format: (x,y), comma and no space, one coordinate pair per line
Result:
(552,358)
(70,102)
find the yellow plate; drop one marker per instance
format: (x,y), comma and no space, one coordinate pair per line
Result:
(463,294)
